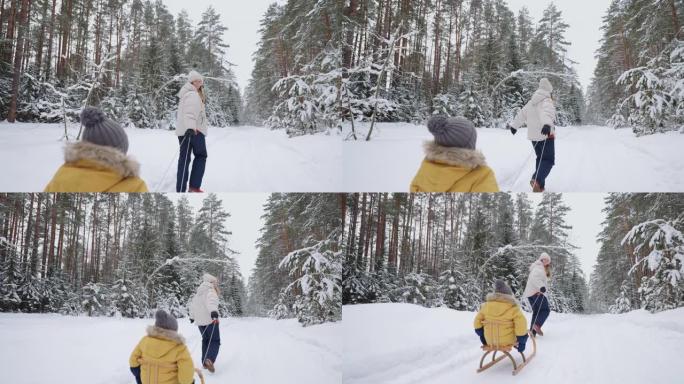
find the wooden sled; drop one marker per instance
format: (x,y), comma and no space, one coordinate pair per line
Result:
(494,348)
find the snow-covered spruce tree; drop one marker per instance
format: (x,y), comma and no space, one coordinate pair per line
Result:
(444,104)
(622,303)
(452,290)
(31,291)
(317,285)
(470,106)
(10,272)
(310,102)
(650,103)
(415,288)
(124,301)
(282,309)
(359,287)
(664,242)
(296,79)
(94,299)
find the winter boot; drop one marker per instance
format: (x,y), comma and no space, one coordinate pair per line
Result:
(537,329)
(195,190)
(535,186)
(208,364)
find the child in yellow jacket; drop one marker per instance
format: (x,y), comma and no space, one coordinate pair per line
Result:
(98,163)
(502,305)
(161,357)
(452,164)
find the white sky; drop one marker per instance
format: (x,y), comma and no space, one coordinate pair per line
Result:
(244,222)
(241,17)
(584,33)
(585,217)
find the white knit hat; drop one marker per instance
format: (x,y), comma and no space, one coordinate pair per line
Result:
(545,84)
(545,256)
(209,278)
(194,75)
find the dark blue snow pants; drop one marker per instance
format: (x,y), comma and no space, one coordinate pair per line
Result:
(540,309)
(197,144)
(211,340)
(546,158)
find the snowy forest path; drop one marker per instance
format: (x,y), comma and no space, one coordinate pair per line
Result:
(95,350)
(246,344)
(240,159)
(438,346)
(588,159)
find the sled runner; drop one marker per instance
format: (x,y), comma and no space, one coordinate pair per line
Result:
(492,327)
(154,366)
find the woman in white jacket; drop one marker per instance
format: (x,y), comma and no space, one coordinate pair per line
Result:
(204,310)
(191,129)
(539,115)
(537,285)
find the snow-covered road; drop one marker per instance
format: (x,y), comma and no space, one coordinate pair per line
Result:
(36,349)
(407,344)
(588,159)
(241,159)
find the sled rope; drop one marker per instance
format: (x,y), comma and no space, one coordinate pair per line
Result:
(210,338)
(534,318)
(185,163)
(536,173)
(194,346)
(166,172)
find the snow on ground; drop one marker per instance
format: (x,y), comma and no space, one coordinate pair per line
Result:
(241,159)
(403,343)
(50,348)
(588,159)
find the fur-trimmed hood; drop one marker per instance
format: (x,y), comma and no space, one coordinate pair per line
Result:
(165,334)
(502,298)
(459,157)
(108,157)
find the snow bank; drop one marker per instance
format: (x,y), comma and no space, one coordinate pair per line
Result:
(588,159)
(241,159)
(65,349)
(403,343)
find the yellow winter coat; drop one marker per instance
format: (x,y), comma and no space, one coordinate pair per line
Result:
(95,168)
(447,169)
(504,308)
(163,358)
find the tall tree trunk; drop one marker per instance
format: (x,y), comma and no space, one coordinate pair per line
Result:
(48,59)
(438,49)
(7,48)
(23,26)
(41,39)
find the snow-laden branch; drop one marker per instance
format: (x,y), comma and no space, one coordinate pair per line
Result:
(521,72)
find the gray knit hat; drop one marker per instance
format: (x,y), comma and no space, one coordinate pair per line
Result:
(500,286)
(164,320)
(100,130)
(453,131)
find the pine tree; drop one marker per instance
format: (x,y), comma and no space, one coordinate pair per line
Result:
(318,289)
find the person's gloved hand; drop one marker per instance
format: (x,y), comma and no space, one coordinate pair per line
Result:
(513,130)
(546,130)
(522,340)
(192,321)
(480,332)
(214,317)
(542,289)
